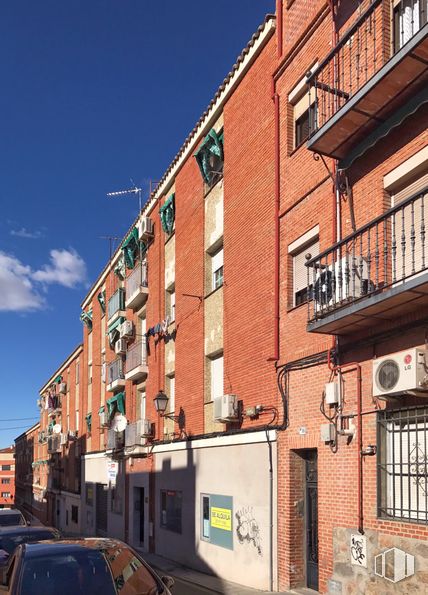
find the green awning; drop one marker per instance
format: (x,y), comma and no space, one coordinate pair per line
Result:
(119,401)
(113,329)
(211,146)
(167,214)
(101,410)
(88,419)
(130,248)
(120,268)
(102,300)
(86,318)
(58,379)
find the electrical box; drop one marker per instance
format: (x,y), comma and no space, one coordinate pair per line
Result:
(332,393)
(328,432)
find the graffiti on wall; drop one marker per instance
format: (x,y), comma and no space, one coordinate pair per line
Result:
(248,529)
(358,550)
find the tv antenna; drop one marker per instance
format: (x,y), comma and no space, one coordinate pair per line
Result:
(110,239)
(127,192)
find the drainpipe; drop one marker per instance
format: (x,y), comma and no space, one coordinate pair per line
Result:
(275,99)
(279,28)
(340,368)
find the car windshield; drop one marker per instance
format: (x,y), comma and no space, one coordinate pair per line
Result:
(8,543)
(80,572)
(14,518)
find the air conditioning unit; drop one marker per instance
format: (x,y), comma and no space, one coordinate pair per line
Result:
(145,228)
(126,329)
(54,443)
(403,372)
(72,435)
(63,388)
(63,439)
(115,440)
(145,428)
(346,279)
(226,408)
(39,403)
(104,419)
(120,347)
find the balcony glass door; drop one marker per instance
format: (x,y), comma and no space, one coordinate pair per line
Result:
(409,17)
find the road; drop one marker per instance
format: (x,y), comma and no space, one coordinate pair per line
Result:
(183,588)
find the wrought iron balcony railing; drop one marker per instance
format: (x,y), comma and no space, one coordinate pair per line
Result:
(116,303)
(115,371)
(138,278)
(136,355)
(379,32)
(387,252)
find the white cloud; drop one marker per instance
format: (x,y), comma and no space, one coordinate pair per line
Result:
(66,268)
(17,291)
(25,233)
(18,282)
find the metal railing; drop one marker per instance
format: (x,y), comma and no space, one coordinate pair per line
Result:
(116,302)
(386,251)
(364,48)
(136,355)
(138,278)
(115,370)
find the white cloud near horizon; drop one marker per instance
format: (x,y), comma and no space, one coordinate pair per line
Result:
(18,282)
(25,233)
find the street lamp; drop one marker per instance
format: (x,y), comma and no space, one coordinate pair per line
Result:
(161,402)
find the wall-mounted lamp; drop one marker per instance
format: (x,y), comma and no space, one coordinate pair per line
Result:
(161,402)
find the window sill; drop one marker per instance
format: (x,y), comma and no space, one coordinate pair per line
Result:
(209,189)
(169,236)
(213,291)
(296,149)
(293,308)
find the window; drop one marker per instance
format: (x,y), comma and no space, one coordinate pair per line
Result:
(6,467)
(217,269)
(141,403)
(299,250)
(5,480)
(402,462)
(74,514)
(89,373)
(5,494)
(216,376)
(210,158)
(77,372)
(409,17)
(171,393)
(77,420)
(303,107)
(171,508)
(205,526)
(170,304)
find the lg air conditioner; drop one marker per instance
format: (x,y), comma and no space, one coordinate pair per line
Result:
(343,280)
(401,373)
(120,347)
(145,428)
(145,228)
(126,329)
(225,408)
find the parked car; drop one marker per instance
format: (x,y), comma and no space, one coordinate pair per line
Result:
(10,517)
(11,537)
(88,566)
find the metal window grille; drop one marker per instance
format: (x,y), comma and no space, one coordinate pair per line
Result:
(402,465)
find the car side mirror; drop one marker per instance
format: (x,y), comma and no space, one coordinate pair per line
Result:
(28,523)
(168,581)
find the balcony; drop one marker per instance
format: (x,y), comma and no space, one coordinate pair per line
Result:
(115,441)
(377,274)
(136,362)
(115,375)
(116,306)
(137,290)
(374,77)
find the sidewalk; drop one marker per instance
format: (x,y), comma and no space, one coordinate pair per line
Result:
(213,583)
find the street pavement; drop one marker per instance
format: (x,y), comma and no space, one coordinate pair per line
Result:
(184,588)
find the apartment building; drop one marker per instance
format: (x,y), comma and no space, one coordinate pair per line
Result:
(24,450)
(249,398)
(7,477)
(352,175)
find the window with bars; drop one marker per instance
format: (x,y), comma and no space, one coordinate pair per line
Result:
(409,17)
(403,465)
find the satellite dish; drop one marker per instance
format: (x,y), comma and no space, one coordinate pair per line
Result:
(57,429)
(119,423)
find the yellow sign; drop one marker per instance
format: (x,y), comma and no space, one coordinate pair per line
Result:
(221,518)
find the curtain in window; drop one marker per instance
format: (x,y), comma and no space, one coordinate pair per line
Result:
(86,318)
(167,214)
(211,147)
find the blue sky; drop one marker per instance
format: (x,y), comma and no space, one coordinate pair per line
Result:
(94,93)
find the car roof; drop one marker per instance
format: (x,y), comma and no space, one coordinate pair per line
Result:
(28,529)
(64,546)
(10,511)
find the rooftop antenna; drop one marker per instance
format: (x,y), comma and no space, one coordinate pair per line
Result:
(128,192)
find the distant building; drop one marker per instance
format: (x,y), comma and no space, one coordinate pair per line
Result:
(7,477)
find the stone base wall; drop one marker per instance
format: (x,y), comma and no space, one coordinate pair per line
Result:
(377,564)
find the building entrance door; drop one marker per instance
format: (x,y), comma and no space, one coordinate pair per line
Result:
(101,495)
(311,519)
(139,516)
